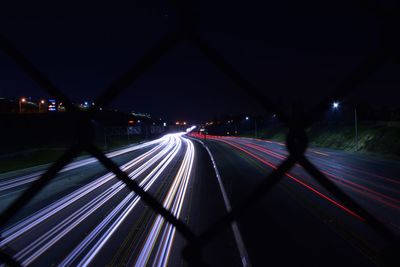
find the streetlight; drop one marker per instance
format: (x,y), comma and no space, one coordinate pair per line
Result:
(335,105)
(355,126)
(22,100)
(41,102)
(255,125)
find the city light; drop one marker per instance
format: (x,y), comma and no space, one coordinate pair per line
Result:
(52,105)
(42,101)
(22,100)
(190,129)
(335,105)
(247,118)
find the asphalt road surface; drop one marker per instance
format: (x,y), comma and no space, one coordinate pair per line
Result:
(86,216)
(299,223)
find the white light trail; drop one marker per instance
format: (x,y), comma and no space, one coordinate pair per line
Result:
(174,202)
(55,234)
(84,202)
(8,184)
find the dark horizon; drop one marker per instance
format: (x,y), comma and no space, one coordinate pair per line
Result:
(284,53)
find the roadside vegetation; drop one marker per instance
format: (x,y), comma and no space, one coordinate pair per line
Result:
(29,157)
(382,138)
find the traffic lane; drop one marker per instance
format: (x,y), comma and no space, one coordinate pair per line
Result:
(282,229)
(375,168)
(18,180)
(203,206)
(196,212)
(380,196)
(83,199)
(127,245)
(63,184)
(373,201)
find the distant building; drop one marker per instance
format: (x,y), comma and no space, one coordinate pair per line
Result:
(141,115)
(8,106)
(52,105)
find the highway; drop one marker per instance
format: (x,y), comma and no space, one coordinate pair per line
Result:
(97,221)
(87,217)
(299,222)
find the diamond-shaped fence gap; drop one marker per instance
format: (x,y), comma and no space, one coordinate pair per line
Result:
(276,212)
(14,79)
(305,37)
(202,212)
(335,181)
(145,62)
(357,210)
(164,83)
(382,83)
(80,67)
(63,197)
(97,76)
(265,186)
(349,83)
(28,130)
(30,70)
(37,185)
(35,139)
(146,197)
(14,183)
(33,135)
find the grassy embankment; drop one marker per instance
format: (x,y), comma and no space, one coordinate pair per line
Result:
(380,138)
(28,157)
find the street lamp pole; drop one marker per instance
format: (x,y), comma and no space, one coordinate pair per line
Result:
(22,100)
(41,103)
(355,127)
(255,127)
(335,105)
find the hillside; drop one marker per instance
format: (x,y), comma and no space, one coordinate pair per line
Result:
(373,137)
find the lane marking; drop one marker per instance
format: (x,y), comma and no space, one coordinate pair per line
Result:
(236,233)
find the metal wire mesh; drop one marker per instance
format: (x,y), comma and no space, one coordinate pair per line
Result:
(296,140)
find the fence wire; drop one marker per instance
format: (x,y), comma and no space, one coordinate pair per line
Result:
(296,141)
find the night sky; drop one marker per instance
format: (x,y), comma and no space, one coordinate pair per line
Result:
(287,49)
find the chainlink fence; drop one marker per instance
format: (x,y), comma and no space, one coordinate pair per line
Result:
(296,140)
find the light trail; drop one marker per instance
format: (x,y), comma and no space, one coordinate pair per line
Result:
(28,223)
(40,245)
(69,213)
(370,189)
(335,175)
(302,183)
(111,223)
(8,184)
(173,201)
